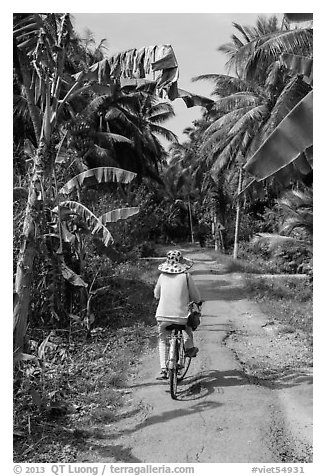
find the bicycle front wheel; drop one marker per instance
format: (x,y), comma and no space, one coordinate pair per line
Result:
(172,367)
(173,383)
(184,370)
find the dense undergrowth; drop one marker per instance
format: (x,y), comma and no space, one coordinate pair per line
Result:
(75,386)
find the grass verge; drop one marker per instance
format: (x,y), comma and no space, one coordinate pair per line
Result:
(287,301)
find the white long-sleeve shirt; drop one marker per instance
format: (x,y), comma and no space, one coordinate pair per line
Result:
(175,292)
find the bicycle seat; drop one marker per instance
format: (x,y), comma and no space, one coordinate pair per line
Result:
(177,327)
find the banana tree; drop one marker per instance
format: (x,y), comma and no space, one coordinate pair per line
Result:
(40,53)
(41,42)
(291,141)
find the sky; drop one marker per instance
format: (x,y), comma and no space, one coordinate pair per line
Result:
(195,38)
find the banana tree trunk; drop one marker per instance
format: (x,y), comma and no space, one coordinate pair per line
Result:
(237,220)
(24,272)
(33,109)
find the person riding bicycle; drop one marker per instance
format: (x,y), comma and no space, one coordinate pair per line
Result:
(175,289)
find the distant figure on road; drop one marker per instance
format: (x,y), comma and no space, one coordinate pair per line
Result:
(175,289)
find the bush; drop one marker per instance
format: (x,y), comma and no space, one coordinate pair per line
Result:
(293,258)
(146,249)
(288,257)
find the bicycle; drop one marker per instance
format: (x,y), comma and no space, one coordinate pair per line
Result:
(178,363)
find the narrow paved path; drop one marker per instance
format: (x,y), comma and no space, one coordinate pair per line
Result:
(219,416)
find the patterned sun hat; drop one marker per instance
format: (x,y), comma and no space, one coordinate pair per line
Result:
(175,263)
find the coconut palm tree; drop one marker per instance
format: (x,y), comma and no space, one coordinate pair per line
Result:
(118,112)
(254,102)
(268,50)
(269,158)
(247,109)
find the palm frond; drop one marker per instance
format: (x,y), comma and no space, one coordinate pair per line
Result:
(244,31)
(226,156)
(108,138)
(163,132)
(298,41)
(225,85)
(102,157)
(252,117)
(274,240)
(236,101)
(160,117)
(226,119)
(161,107)
(120,117)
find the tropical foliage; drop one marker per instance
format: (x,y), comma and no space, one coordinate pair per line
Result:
(87,123)
(52,98)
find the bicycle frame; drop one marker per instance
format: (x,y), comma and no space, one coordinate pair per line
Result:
(176,351)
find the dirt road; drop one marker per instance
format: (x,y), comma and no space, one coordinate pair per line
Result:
(221,415)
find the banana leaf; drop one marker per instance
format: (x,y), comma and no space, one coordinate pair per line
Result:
(94,224)
(292,137)
(136,64)
(118,214)
(297,17)
(71,276)
(98,175)
(194,100)
(165,58)
(298,64)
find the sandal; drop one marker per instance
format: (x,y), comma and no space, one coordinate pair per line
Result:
(163,375)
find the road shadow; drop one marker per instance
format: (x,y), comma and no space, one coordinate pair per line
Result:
(164,417)
(205,383)
(118,452)
(282,381)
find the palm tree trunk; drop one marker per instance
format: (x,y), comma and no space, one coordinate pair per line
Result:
(237,220)
(190,221)
(24,272)
(215,230)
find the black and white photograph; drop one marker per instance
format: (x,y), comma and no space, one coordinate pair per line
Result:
(162,242)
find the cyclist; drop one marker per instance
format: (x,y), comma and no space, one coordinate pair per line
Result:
(175,289)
